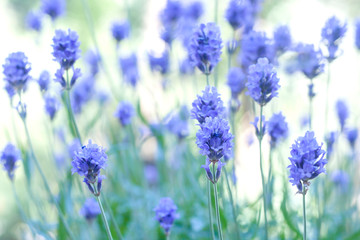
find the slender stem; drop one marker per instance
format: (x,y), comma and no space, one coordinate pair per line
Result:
(327,99)
(207,79)
(104,218)
(232,203)
(210,214)
(117,229)
(168,236)
(217,206)
(47,187)
(69,107)
(262,173)
(310,104)
(304,211)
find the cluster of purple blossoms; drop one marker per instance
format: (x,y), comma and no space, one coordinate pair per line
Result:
(33,21)
(282,39)
(255,45)
(88,161)
(236,81)
(66,48)
(207,105)
(172,12)
(53,8)
(352,135)
(205,47)
(238,13)
(342,112)
(331,35)
(178,123)
(129,69)
(16,71)
(277,128)
(263,84)
(330,140)
(52,105)
(44,81)
(93,60)
(124,113)
(309,60)
(166,213)
(9,156)
(160,63)
(307,161)
(341,180)
(90,210)
(120,31)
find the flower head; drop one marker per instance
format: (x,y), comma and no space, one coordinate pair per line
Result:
(307,161)
(309,60)
(52,105)
(93,60)
(332,34)
(120,30)
(214,138)
(82,93)
(66,48)
(352,135)
(16,70)
(205,47)
(330,140)
(178,123)
(53,8)
(172,12)
(33,21)
(90,210)
(166,213)
(263,84)
(342,111)
(282,39)
(207,105)
(194,10)
(124,113)
(277,128)
(129,69)
(341,180)
(160,63)
(44,80)
(236,81)
(238,13)
(9,156)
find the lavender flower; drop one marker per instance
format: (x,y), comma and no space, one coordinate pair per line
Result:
(9,156)
(307,161)
(166,213)
(207,105)
(352,135)
(238,13)
(124,113)
(263,127)
(178,123)
(309,60)
(168,35)
(231,46)
(90,210)
(236,81)
(44,81)
(282,39)
(16,70)
(255,45)
(93,59)
(330,140)
(53,8)
(129,68)
(66,48)
(33,21)
(120,30)
(263,84)
(87,162)
(214,138)
(357,33)
(194,10)
(341,180)
(209,174)
(59,77)
(51,106)
(205,47)
(160,63)
(10,91)
(172,12)
(342,111)
(82,93)
(277,128)
(331,35)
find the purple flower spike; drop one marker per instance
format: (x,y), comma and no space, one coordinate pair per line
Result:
(166,213)
(66,48)
(9,156)
(16,70)
(90,209)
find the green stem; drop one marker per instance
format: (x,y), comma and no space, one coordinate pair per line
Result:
(217,206)
(262,173)
(304,211)
(104,218)
(327,99)
(47,187)
(117,229)
(209,208)
(207,79)
(310,106)
(232,203)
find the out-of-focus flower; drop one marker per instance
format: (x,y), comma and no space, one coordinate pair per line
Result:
(282,39)
(186,67)
(53,8)
(342,112)
(129,69)
(263,84)
(160,63)
(9,156)
(93,59)
(194,10)
(44,81)
(214,138)
(231,46)
(33,21)
(263,127)
(207,105)
(255,45)
(66,48)
(352,135)
(90,210)
(307,161)
(124,113)
(178,123)
(357,33)
(52,105)
(341,180)
(236,81)
(16,70)
(309,60)
(205,47)
(331,35)
(330,140)
(172,12)
(238,13)
(151,174)
(82,93)
(120,30)
(277,128)
(10,91)
(166,213)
